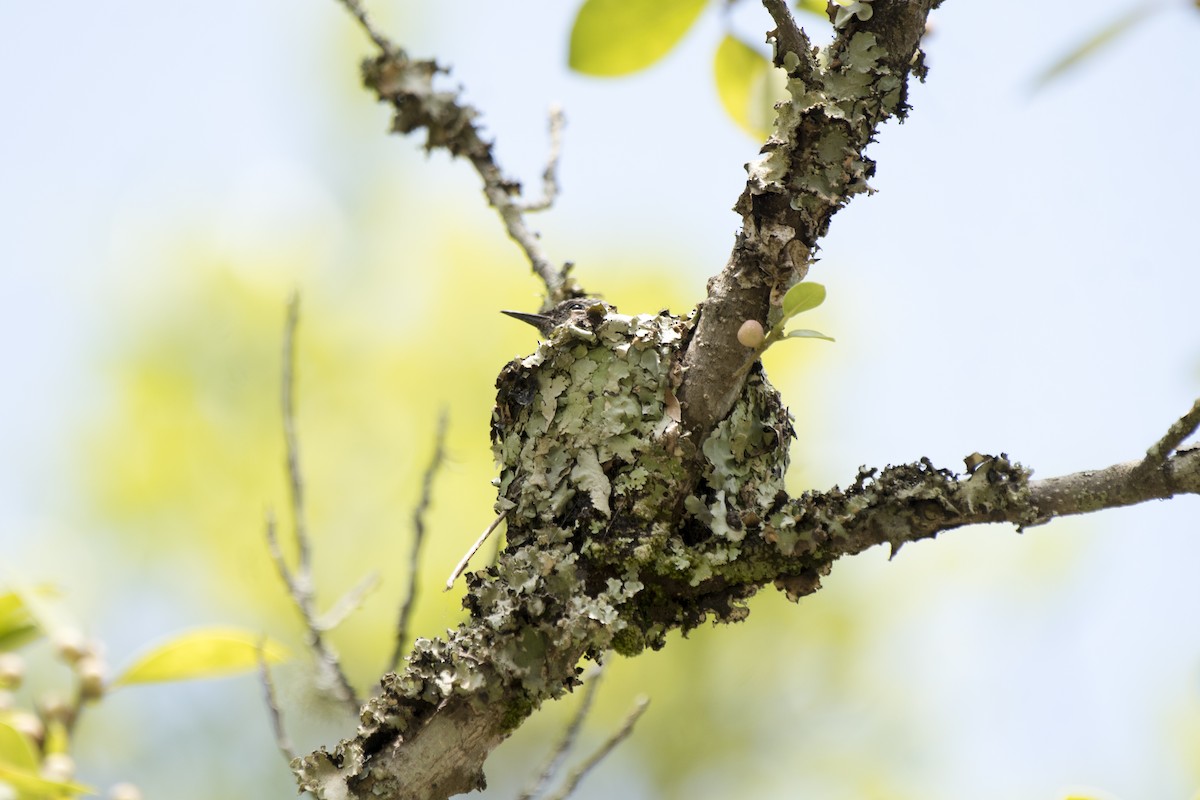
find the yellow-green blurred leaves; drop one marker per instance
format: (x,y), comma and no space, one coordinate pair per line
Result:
(20,766)
(202,653)
(189,453)
(817,7)
(17,625)
(31,786)
(617,37)
(748,84)
(16,750)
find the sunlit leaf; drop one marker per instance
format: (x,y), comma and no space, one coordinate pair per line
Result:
(1098,41)
(32,786)
(204,653)
(803,333)
(800,298)
(748,85)
(17,626)
(16,750)
(617,37)
(817,7)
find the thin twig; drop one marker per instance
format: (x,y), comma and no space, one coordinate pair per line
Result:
(299,581)
(1183,427)
(462,564)
(359,13)
(498,190)
(550,175)
(348,603)
(497,546)
(264,674)
(556,758)
(277,556)
(619,736)
(407,85)
(414,561)
(292,445)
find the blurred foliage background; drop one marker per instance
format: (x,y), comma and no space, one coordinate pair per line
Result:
(173,173)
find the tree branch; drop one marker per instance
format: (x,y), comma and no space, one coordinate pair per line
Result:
(1184,427)
(558,121)
(429,732)
(813,163)
(627,517)
(407,86)
(299,582)
(414,561)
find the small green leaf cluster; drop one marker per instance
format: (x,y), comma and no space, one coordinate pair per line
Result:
(35,740)
(613,38)
(800,298)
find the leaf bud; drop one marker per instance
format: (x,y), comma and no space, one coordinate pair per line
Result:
(751,333)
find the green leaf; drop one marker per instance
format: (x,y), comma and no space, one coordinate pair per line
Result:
(804,333)
(32,786)
(16,750)
(800,298)
(203,653)
(748,85)
(17,625)
(1097,41)
(617,37)
(817,7)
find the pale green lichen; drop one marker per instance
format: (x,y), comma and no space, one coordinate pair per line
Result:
(588,435)
(849,9)
(853,86)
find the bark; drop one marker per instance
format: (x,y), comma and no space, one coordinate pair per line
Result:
(643,461)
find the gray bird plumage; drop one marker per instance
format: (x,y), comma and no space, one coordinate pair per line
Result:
(580,312)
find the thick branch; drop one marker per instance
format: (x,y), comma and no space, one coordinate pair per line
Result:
(916,501)
(627,518)
(1119,485)
(430,731)
(810,167)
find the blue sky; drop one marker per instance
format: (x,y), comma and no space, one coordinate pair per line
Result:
(1024,281)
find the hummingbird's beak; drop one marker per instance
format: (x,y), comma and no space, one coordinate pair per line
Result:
(539,321)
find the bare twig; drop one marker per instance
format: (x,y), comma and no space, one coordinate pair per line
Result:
(462,564)
(264,674)
(435,463)
(359,13)
(407,85)
(550,175)
(348,603)
(277,555)
(292,446)
(1184,427)
(556,758)
(299,581)
(602,752)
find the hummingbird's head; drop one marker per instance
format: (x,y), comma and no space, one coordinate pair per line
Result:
(580,312)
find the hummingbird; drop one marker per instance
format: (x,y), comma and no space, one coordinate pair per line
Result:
(581,313)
